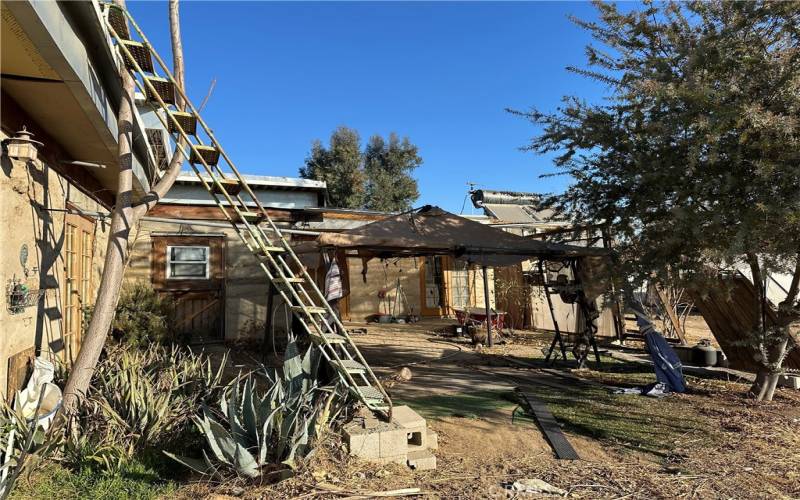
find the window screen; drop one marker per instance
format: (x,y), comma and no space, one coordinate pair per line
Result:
(187,262)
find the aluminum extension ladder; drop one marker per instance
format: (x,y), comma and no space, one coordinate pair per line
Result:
(252,223)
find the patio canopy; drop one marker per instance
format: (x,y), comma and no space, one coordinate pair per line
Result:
(433,231)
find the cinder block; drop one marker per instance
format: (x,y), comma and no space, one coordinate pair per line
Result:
(393,442)
(407,418)
(421,460)
(362,444)
(432,440)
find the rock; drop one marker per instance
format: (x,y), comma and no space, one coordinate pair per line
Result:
(403,374)
(360,475)
(478,348)
(237,491)
(533,485)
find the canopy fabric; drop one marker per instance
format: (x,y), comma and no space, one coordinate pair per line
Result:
(433,231)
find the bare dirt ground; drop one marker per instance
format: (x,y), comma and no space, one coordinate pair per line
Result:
(708,443)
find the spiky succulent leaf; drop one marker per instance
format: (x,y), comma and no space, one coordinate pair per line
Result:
(201,466)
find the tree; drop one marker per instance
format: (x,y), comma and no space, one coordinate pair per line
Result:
(340,166)
(125,214)
(694,160)
(388,166)
(377,179)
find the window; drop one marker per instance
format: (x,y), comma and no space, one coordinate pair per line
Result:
(186,262)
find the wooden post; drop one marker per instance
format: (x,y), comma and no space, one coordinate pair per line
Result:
(673,318)
(269,340)
(488,307)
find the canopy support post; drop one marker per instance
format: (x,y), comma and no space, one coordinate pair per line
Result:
(486,303)
(557,337)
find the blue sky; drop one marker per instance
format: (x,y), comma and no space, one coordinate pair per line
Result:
(440,73)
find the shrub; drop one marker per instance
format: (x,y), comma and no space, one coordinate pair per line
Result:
(141,400)
(142,316)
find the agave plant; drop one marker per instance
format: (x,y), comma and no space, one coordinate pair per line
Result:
(251,431)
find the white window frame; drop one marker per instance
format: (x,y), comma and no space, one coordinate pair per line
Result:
(170,261)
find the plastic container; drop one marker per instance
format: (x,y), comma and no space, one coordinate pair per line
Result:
(704,354)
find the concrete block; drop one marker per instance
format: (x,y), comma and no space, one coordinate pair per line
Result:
(393,442)
(421,460)
(790,381)
(406,417)
(432,440)
(362,444)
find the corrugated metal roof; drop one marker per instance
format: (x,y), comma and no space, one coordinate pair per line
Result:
(263,181)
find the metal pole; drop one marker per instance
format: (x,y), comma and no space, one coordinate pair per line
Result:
(488,308)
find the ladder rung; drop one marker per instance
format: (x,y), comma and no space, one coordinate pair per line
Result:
(116,18)
(262,252)
(141,54)
(331,338)
(309,309)
(251,217)
(284,281)
(230,186)
(187,122)
(370,393)
(349,365)
(164,88)
(209,154)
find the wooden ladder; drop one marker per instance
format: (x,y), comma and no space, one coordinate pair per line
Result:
(250,220)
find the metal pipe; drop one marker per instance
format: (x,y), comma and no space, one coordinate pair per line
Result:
(489,342)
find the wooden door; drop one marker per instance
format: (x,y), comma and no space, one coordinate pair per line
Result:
(432,290)
(190,270)
(78,252)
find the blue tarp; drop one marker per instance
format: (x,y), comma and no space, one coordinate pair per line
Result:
(669,370)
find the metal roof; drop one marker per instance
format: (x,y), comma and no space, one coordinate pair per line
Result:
(264,181)
(521,214)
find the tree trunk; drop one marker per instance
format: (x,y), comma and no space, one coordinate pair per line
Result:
(123,218)
(113,269)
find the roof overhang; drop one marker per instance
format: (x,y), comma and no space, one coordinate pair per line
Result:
(59,70)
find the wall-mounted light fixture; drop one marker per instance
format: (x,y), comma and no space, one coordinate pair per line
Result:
(22,147)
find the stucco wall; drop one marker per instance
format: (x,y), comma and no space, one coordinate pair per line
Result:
(383,275)
(26,191)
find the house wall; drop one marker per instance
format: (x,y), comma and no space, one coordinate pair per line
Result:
(245,282)
(26,190)
(383,275)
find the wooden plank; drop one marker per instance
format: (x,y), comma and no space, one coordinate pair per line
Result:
(562,448)
(213,213)
(729,309)
(20,366)
(673,318)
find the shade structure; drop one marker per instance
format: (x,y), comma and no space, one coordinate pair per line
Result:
(433,231)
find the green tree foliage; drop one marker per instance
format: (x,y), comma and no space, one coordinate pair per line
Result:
(378,178)
(694,159)
(340,166)
(388,166)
